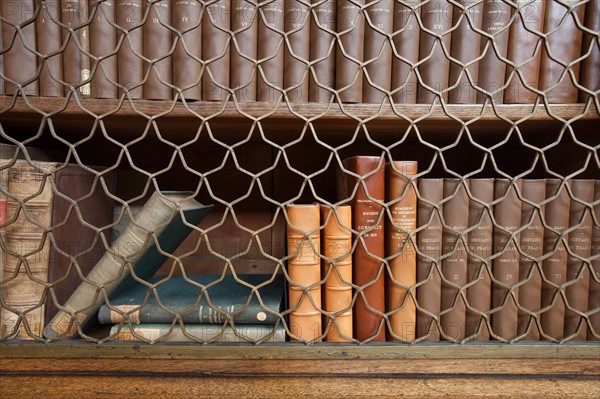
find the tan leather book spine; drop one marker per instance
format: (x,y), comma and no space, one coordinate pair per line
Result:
(103,41)
(244,50)
(365,191)
(505,266)
(158,41)
(49,42)
(479,266)
(336,269)
(554,265)
(465,49)
(215,50)
(271,45)
(401,198)
(297,54)
(71,34)
(532,247)
(406,43)
(304,271)
(434,45)
(130,65)
(590,67)
(429,241)
(377,79)
(20,61)
(525,45)
(579,242)
(564,39)
(187,62)
(350,51)
(322,51)
(594,293)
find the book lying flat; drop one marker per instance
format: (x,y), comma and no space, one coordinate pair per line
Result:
(207,299)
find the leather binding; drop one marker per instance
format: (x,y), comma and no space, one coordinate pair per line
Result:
(434,44)
(377,78)
(271,50)
(367,221)
(578,271)
(304,271)
(532,247)
(336,269)
(350,51)
(480,245)
(429,241)
(406,42)
(564,41)
(244,17)
(103,41)
(590,67)
(187,65)
(454,263)
(297,53)
(215,50)
(322,51)
(20,62)
(130,65)
(492,68)
(524,51)
(49,43)
(505,265)
(71,18)
(554,266)
(594,294)
(157,45)
(465,49)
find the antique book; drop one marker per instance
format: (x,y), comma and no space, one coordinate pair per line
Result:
(525,46)
(70,17)
(406,43)
(158,41)
(362,185)
(336,269)
(103,42)
(564,39)
(130,65)
(304,270)
(215,50)
(505,266)
(377,55)
(297,50)
(84,33)
(465,49)
(49,42)
(350,50)
(271,44)
(164,221)
(400,251)
(244,50)
(187,63)
(593,333)
(589,75)
(434,45)
(429,247)
(322,51)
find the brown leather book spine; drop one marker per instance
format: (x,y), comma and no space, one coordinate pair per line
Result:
(532,247)
(20,61)
(579,241)
(492,68)
(271,44)
(103,41)
(215,50)
(367,220)
(524,51)
(49,42)
(350,51)
(157,46)
(505,266)
(336,269)
(244,51)
(594,293)
(297,54)
(401,198)
(554,265)
(187,63)
(435,42)
(590,67)
(479,266)
(377,79)
(304,271)
(322,51)
(429,241)
(406,42)
(465,49)
(130,65)
(71,34)
(563,46)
